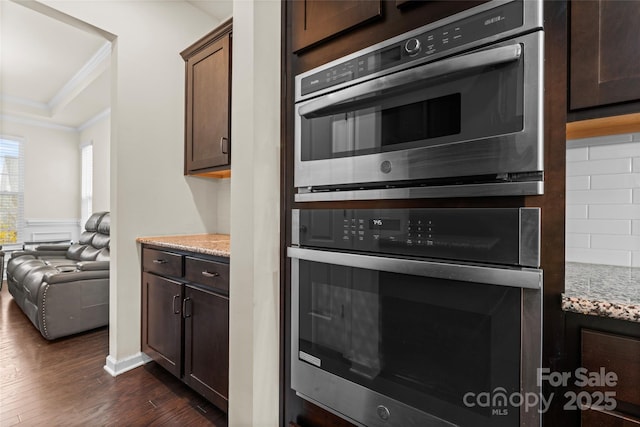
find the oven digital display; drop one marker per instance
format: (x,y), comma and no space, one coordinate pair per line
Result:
(390,56)
(384,224)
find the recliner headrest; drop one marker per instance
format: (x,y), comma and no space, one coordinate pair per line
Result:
(92,222)
(105,224)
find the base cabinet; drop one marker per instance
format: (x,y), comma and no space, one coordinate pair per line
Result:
(163,332)
(619,355)
(206,344)
(185,321)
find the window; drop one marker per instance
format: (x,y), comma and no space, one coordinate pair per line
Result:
(86,209)
(11,190)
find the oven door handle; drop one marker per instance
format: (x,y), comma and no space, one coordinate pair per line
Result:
(456,64)
(530,278)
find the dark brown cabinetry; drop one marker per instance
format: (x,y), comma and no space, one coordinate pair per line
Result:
(619,355)
(185,319)
(604,53)
(317,20)
(208,103)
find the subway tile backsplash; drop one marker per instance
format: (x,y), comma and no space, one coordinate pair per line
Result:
(603,200)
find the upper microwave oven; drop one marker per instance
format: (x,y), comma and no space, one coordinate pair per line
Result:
(451,109)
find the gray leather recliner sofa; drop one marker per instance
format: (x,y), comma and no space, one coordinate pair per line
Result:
(64,289)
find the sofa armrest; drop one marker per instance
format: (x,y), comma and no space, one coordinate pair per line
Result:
(93,265)
(38,253)
(74,276)
(59,248)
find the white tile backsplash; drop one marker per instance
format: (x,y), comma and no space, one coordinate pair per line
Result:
(605,241)
(599,226)
(578,154)
(615,151)
(613,211)
(578,182)
(600,197)
(577,211)
(599,256)
(614,181)
(575,240)
(599,167)
(603,200)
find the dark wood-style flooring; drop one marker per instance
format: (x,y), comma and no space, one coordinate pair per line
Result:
(63,383)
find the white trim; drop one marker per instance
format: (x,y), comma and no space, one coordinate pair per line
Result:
(25,102)
(36,122)
(89,72)
(116,367)
(93,120)
(48,222)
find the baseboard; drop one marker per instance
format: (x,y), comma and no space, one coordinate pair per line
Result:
(116,367)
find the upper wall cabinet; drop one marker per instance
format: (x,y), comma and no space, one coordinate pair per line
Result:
(605,53)
(317,20)
(208,104)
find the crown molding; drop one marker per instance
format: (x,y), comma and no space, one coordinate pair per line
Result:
(95,119)
(89,72)
(55,126)
(36,122)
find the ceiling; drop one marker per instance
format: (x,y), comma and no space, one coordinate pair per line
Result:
(56,75)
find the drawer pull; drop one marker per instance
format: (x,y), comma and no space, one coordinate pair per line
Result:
(209,274)
(159,261)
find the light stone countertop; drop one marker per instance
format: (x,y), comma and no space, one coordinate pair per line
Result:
(208,244)
(602,290)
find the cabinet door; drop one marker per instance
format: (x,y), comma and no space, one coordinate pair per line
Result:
(206,367)
(605,53)
(208,107)
(316,20)
(162,321)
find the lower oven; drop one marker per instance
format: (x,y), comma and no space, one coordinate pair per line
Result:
(418,317)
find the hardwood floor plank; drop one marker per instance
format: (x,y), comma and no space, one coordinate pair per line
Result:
(63,383)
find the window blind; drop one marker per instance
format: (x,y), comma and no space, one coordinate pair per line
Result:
(11,191)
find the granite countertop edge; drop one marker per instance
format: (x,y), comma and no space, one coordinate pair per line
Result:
(613,310)
(206,244)
(602,290)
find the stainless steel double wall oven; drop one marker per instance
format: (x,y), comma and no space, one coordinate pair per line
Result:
(450,109)
(422,316)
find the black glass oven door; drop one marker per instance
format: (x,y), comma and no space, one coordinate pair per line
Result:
(433,344)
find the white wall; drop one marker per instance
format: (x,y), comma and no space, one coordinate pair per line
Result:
(99,134)
(149,194)
(52,173)
(603,200)
(255,194)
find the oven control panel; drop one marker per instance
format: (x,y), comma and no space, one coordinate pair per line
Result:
(499,236)
(416,47)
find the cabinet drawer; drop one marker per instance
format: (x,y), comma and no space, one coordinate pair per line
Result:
(205,272)
(162,262)
(616,353)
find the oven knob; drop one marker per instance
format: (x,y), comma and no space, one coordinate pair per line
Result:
(412,46)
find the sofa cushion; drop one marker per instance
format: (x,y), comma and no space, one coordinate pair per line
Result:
(89,254)
(75,251)
(101,241)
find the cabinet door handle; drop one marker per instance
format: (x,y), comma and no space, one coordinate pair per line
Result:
(209,274)
(186,307)
(224,145)
(159,261)
(176,310)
